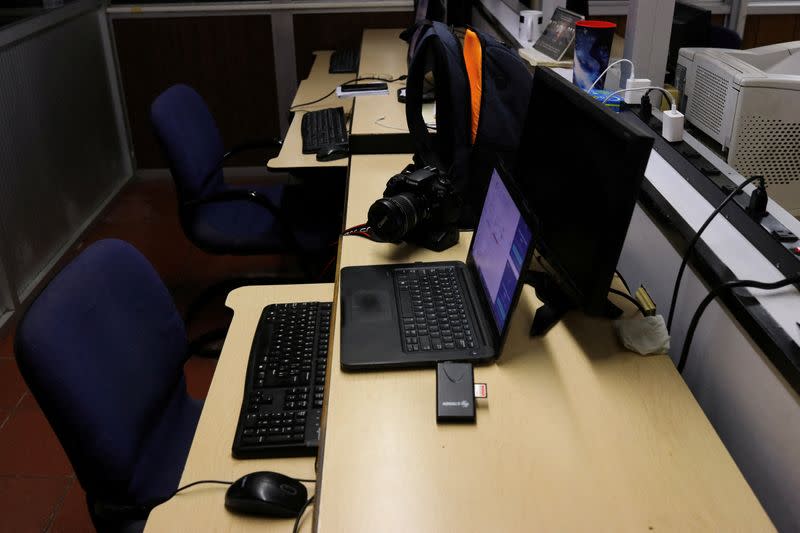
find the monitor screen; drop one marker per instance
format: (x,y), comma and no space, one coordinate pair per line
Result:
(500,248)
(580,168)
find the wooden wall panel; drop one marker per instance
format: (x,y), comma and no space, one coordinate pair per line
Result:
(621,21)
(228,59)
(329,31)
(761,30)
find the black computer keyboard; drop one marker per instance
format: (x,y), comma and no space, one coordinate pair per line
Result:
(345,60)
(321,128)
(285,382)
(432,309)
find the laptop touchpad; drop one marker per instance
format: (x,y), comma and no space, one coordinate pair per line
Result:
(371,306)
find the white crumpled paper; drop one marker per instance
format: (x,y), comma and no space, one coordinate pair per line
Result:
(645,335)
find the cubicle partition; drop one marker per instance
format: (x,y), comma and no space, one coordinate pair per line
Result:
(245,58)
(64,149)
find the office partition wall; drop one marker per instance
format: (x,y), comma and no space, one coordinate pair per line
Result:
(63,142)
(245,58)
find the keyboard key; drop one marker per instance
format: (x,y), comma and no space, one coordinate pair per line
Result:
(433,309)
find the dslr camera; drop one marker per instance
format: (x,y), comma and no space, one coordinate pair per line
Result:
(418,206)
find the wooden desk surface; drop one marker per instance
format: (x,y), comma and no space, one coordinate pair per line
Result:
(318,83)
(367,180)
(577,434)
(202,508)
(383,53)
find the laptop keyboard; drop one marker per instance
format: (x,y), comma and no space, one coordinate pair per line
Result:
(432,310)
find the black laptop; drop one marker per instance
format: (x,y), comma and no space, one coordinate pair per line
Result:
(413,315)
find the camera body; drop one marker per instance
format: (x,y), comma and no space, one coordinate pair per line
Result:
(418,206)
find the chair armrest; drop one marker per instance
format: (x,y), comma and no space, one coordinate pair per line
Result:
(239,148)
(251,145)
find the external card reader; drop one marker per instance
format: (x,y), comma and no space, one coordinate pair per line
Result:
(455,392)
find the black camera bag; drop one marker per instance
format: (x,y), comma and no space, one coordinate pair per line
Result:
(481,104)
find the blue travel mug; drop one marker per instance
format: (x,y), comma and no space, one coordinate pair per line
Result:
(593,40)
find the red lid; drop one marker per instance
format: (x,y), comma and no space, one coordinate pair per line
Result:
(595,24)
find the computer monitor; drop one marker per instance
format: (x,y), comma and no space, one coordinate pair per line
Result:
(580,169)
(691,26)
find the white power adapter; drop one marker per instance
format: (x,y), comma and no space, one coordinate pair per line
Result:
(632,95)
(672,125)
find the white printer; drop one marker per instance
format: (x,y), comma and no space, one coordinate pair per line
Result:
(749,102)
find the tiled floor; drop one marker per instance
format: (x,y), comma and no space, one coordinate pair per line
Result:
(38,489)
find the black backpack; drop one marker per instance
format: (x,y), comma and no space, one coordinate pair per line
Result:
(481,105)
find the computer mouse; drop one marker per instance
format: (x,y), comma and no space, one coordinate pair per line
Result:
(332,152)
(266,494)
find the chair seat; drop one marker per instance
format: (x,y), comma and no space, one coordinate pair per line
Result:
(244,227)
(239,227)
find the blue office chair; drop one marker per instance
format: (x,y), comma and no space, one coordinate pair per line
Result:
(102,350)
(223,219)
(722,37)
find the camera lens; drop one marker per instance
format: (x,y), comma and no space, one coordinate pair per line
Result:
(392,218)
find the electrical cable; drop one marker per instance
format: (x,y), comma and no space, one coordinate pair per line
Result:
(630,298)
(617,62)
(356,227)
(693,242)
(218,482)
(650,87)
(379,122)
(202,481)
(296,527)
(348,82)
(713,294)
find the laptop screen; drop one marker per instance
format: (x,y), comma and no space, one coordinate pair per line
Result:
(499,249)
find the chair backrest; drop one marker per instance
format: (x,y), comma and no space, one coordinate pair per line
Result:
(190,140)
(722,37)
(102,349)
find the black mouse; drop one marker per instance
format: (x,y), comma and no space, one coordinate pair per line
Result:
(267,494)
(332,152)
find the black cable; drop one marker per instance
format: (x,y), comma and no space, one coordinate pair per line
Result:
(348,82)
(693,242)
(296,527)
(218,482)
(713,294)
(630,298)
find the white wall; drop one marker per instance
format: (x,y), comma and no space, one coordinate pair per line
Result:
(754,411)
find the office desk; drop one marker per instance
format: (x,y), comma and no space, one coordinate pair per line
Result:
(201,508)
(318,83)
(367,180)
(576,434)
(379,122)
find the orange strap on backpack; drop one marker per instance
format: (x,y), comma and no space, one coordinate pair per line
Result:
(473,62)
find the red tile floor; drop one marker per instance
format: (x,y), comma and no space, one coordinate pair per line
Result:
(38,489)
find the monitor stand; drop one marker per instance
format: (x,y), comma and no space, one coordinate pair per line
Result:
(556,303)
